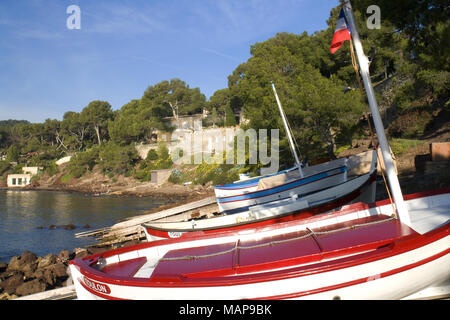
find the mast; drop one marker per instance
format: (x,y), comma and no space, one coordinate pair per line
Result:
(394,184)
(291,142)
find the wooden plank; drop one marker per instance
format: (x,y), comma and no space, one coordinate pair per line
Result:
(165,213)
(137,221)
(64,293)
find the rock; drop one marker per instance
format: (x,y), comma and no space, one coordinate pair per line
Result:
(26,263)
(86,226)
(70,226)
(49,277)
(80,253)
(7,296)
(30,287)
(54,274)
(9,285)
(64,256)
(3,267)
(60,270)
(52,227)
(47,261)
(13,264)
(29,269)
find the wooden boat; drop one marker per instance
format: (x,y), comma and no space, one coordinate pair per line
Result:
(284,185)
(360,187)
(361,252)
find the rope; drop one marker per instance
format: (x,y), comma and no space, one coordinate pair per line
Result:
(273,243)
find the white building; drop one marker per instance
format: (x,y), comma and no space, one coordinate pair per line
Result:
(18,180)
(22,179)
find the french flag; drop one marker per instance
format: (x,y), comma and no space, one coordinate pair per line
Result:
(341,33)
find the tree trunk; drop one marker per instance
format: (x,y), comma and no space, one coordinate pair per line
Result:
(97,131)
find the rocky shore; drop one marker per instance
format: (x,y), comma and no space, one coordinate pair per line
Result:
(28,274)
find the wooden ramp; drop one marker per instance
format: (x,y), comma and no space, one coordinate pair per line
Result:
(131,228)
(64,293)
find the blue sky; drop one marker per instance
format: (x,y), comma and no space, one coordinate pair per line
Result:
(125,46)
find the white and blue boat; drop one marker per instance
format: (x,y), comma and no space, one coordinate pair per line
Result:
(284,185)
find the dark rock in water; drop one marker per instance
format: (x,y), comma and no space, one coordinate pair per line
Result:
(70,226)
(86,226)
(30,287)
(40,227)
(3,266)
(52,227)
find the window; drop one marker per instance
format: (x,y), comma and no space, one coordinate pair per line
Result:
(13,181)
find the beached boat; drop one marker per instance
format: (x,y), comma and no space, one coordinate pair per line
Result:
(362,252)
(359,187)
(286,184)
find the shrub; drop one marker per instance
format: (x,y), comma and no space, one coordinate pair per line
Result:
(151,155)
(117,159)
(83,161)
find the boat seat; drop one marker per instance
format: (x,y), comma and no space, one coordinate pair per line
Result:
(126,268)
(280,251)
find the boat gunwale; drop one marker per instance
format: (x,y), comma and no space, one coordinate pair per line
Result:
(342,170)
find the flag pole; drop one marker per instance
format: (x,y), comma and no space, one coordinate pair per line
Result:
(402,211)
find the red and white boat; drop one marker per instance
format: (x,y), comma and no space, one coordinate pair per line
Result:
(358,188)
(361,252)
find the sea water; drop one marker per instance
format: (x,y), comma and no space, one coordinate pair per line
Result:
(34,220)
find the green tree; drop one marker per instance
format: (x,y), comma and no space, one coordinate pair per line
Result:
(133,122)
(76,126)
(12,153)
(117,159)
(230,120)
(174,98)
(97,113)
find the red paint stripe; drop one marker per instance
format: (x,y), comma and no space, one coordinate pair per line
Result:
(358,281)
